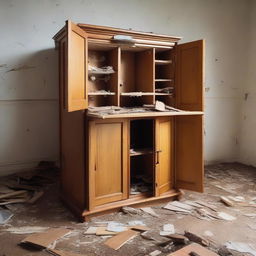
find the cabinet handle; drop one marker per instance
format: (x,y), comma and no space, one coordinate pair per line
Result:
(157,156)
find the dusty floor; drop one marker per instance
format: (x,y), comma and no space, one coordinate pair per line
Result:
(222,179)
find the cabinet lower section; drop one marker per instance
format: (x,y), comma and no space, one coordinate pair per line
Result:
(133,161)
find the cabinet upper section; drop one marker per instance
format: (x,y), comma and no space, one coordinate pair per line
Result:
(103,66)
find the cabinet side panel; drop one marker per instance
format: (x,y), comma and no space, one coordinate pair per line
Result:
(71,143)
(189,153)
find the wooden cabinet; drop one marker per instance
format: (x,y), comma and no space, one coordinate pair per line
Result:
(115,149)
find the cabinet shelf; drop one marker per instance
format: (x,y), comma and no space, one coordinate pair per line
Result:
(101,93)
(163,94)
(163,62)
(137,94)
(163,80)
(141,151)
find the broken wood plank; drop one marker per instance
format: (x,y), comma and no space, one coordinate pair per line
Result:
(193,248)
(178,239)
(150,211)
(14,194)
(120,239)
(140,228)
(197,239)
(45,239)
(56,252)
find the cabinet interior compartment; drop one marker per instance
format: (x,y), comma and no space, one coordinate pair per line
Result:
(136,78)
(142,157)
(102,85)
(165,76)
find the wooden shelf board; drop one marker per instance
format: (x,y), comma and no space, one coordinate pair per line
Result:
(141,151)
(163,80)
(137,94)
(163,94)
(149,114)
(163,62)
(101,93)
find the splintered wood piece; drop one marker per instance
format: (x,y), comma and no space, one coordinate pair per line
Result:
(120,239)
(14,194)
(63,253)
(226,201)
(195,249)
(197,239)
(43,240)
(140,228)
(101,231)
(178,239)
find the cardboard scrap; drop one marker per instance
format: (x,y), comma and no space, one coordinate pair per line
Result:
(226,216)
(120,239)
(91,231)
(168,229)
(155,253)
(45,239)
(116,227)
(241,247)
(193,248)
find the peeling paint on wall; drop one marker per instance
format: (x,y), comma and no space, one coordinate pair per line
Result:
(24,67)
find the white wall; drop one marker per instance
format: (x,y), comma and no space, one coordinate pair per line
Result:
(28,96)
(247,140)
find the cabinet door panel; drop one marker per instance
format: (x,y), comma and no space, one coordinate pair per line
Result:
(76,89)
(189,153)
(108,149)
(190,75)
(164,155)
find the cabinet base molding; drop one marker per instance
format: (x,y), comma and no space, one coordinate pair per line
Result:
(136,201)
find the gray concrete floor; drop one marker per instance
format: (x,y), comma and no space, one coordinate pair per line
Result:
(220,180)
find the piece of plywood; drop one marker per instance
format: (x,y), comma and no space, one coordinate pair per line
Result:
(200,250)
(102,231)
(43,240)
(120,239)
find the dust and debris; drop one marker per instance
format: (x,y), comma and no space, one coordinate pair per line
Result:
(20,68)
(220,180)
(246,96)
(207,89)
(3,65)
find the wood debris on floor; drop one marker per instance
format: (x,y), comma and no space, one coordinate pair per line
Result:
(197,220)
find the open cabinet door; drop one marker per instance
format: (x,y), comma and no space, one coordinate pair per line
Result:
(189,168)
(164,155)
(190,76)
(76,90)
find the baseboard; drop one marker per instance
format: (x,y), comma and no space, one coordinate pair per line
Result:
(9,168)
